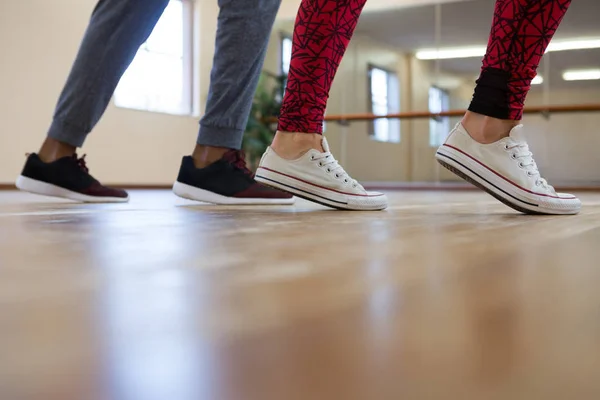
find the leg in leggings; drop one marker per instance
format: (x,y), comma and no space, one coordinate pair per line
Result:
(488,148)
(299,160)
(322,33)
(521,32)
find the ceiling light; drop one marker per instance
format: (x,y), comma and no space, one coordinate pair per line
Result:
(581,75)
(479,51)
(538,80)
(443,54)
(580,44)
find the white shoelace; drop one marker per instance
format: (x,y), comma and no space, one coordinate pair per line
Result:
(328,161)
(520,151)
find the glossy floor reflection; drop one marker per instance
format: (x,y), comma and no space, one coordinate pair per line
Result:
(446,295)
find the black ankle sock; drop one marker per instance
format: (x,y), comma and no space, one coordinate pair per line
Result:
(491,96)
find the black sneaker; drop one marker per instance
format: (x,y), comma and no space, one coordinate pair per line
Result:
(67,177)
(226,181)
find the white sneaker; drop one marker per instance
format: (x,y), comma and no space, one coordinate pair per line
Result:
(317,177)
(506,170)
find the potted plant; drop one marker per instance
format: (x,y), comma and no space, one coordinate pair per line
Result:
(266,104)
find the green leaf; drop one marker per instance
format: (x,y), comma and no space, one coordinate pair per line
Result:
(266,103)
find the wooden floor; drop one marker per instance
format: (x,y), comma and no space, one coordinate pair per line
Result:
(446,295)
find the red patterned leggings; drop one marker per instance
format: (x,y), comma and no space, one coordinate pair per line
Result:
(521,32)
(321,35)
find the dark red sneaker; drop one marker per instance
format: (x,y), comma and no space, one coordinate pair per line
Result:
(226,181)
(67,177)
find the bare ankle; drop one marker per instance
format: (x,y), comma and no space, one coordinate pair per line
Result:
(53,149)
(486,130)
(292,145)
(205,155)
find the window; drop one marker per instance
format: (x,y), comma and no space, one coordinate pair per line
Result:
(385,99)
(439,127)
(160,77)
(286,54)
(285,58)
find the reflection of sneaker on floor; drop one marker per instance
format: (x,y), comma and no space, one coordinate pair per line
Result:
(226,181)
(318,177)
(506,170)
(67,177)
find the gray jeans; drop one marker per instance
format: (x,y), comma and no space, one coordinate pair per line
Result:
(119,27)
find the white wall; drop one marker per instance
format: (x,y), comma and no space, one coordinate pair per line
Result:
(39,39)
(365,159)
(289,7)
(138,147)
(423,166)
(564,145)
(348,96)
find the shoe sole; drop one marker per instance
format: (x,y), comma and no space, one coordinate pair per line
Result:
(193,193)
(46,189)
(315,194)
(465,169)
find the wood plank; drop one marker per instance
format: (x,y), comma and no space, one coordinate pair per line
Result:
(445,295)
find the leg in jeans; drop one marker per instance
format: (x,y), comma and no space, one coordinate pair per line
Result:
(243,32)
(116,30)
(299,159)
(488,147)
(216,172)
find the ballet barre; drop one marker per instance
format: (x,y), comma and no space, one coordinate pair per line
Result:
(544,110)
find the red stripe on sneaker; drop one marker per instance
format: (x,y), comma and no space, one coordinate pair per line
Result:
(321,187)
(508,180)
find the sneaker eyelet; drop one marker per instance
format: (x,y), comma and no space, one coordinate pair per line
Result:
(513,156)
(337,175)
(320,164)
(328,170)
(521,165)
(505,147)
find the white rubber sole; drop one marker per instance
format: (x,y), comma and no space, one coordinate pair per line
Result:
(46,189)
(193,193)
(321,195)
(503,190)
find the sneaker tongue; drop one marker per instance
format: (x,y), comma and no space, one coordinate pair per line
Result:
(230,155)
(518,134)
(325,145)
(236,158)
